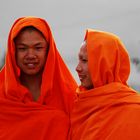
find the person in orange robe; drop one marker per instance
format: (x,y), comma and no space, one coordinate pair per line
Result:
(106,108)
(36,87)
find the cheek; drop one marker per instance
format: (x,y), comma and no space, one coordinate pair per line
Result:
(89,79)
(19,58)
(86,71)
(88,76)
(43,57)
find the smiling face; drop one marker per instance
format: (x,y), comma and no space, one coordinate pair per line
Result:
(31,51)
(82,68)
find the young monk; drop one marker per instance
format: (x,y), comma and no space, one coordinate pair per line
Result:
(36,88)
(106,108)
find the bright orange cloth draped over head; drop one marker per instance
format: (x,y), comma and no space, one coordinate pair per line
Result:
(108,59)
(111,110)
(48,118)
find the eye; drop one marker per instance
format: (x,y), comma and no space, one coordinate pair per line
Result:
(39,47)
(84,60)
(21,48)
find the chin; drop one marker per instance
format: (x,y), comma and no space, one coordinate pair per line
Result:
(31,72)
(87,86)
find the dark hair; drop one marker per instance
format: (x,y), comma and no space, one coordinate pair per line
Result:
(30,29)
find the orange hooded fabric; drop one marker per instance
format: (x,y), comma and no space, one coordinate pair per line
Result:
(20,117)
(111,110)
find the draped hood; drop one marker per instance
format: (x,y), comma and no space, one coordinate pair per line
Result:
(49,116)
(111,110)
(107,57)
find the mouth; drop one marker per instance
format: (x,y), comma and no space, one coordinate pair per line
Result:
(81,77)
(31,65)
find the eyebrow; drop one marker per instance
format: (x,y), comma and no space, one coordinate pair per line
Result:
(38,43)
(22,44)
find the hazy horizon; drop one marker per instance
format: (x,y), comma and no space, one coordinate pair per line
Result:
(70,19)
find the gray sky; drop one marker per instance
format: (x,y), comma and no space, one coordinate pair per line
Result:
(69,20)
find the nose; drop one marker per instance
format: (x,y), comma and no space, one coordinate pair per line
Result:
(78,68)
(31,54)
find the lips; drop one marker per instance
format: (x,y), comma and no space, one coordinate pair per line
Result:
(31,65)
(81,77)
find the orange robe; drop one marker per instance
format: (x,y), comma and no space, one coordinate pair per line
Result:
(20,117)
(111,110)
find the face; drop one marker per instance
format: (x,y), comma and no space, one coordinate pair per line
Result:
(31,52)
(82,68)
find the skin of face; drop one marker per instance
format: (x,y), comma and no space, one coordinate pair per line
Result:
(31,52)
(82,68)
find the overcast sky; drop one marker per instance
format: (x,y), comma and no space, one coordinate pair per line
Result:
(69,20)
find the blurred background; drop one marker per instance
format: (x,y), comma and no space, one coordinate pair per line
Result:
(69,21)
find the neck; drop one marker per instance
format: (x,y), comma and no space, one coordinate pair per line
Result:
(32,83)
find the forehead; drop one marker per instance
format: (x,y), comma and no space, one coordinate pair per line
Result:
(29,30)
(33,32)
(83,49)
(30,38)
